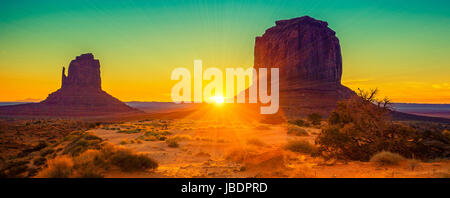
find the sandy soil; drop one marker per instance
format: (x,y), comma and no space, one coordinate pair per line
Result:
(242,149)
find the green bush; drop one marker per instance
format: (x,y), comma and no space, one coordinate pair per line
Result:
(361,126)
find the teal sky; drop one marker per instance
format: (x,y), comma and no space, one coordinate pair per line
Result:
(401,47)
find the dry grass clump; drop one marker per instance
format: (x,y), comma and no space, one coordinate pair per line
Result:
(93,163)
(60,167)
(387,158)
(125,159)
(297,131)
(81,142)
(181,137)
(154,136)
(301,146)
(172,143)
(256,142)
(130,131)
(206,139)
(446,133)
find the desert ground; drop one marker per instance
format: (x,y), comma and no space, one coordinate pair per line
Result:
(192,148)
(238,149)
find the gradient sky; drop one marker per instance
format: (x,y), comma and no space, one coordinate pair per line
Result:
(401,47)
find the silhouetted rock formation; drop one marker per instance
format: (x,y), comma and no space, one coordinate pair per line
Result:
(309,57)
(80,95)
(84,72)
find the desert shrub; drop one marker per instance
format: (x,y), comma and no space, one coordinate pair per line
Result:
(39,161)
(173,143)
(17,171)
(154,136)
(165,133)
(181,137)
(81,142)
(60,167)
(87,166)
(315,118)
(92,163)
(297,131)
(387,158)
(147,138)
(256,142)
(446,133)
(13,168)
(162,138)
(123,158)
(123,142)
(361,126)
(41,145)
(301,146)
(299,123)
(46,152)
(32,172)
(130,131)
(128,161)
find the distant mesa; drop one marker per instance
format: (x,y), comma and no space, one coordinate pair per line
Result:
(80,95)
(308,54)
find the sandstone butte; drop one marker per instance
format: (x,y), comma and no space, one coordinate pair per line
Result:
(80,95)
(308,55)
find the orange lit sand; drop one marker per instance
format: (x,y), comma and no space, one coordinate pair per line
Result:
(206,147)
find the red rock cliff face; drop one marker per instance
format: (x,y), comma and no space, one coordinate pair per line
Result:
(303,48)
(84,71)
(308,54)
(80,95)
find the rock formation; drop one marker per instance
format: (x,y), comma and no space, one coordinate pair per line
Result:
(308,54)
(80,95)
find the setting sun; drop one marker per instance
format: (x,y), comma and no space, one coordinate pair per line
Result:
(217,99)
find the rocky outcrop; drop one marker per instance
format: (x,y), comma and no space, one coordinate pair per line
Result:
(80,95)
(308,54)
(84,72)
(304,49)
